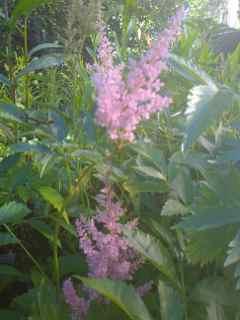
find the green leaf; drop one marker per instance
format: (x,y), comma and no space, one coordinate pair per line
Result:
(163,232)
(27,147)
(217,290)
(9,163)
(205,105)
(24,8)
(211,218)
(121,294)
(139,185)
(234,251)
(44,62)
(153,250)
(215,312)
(27,300)
(9,315)
(70,228)
(6,239)
(151,153)
(209,246)
(72,264)
(58,126)
(151,172)
(174,208)
(224,186)
(4,80)
(12,113)
(190,71)
(9,271)
(44,46)
(89,127)
(90,155)
(182,184)
(45,230)
(53,197)
(170,304)
(13,212)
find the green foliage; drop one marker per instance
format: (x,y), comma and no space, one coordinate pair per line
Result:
(180,178)
(122,294)
(205,105)
(170,303)
(24,8)
(153,251)
(13,213)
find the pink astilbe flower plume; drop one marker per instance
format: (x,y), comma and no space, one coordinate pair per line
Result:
(123,103)
(119,261)
(107,253)
(79,306)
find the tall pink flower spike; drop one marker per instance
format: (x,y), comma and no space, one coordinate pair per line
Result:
(118,262)
(123,104)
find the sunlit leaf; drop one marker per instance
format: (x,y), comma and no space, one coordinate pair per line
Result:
(13,212)
(122,295)
(44,62)
(170,304)
(152,250)
(205,105)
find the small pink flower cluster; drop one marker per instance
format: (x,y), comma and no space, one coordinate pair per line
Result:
(119,261)
(107,252)
(123,103)
(79,306)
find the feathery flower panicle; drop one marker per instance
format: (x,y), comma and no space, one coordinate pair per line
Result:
(79,306)
(123,104)
(119,262)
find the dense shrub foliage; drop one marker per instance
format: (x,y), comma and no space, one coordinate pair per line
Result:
(119,161)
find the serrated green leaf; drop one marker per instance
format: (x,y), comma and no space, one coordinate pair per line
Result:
(217,290)
(171,306)
(190,71)
(163,232)
(174,208)
(183,185)
(151,153)
(205,105)
(121,294)
(211,218)
(13,212)
(152,250)
(210,246)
